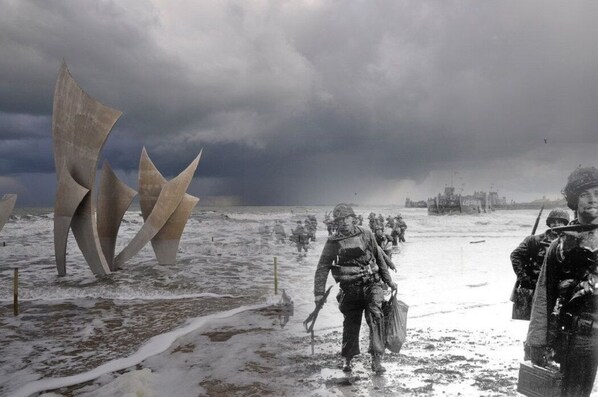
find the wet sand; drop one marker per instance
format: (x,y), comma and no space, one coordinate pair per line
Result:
(253,354)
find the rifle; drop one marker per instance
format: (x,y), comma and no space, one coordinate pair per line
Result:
(313,316)
(537,220)
(575,228)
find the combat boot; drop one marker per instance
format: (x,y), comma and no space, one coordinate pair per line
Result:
(348,367)
(377,363)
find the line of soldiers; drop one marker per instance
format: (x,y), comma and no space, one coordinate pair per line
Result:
(559,269)
(280,235)
(396,224)
(301,235)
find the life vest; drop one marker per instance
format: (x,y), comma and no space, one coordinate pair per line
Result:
(354,260)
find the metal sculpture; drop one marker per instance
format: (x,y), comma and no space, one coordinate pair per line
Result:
(169,199)
(114,197)
(151,182)
(80,127)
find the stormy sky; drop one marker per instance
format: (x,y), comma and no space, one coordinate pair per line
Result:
(310,102)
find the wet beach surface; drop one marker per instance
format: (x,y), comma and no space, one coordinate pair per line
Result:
(270,360)
(461,340)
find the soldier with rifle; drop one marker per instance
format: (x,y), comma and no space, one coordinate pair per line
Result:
(357,264)
(528,257)
(564,318)
(527,260)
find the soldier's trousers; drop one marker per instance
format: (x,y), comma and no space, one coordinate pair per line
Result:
(353,301)
(579,368)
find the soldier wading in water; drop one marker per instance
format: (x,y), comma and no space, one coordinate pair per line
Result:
(564,320)
(357,265)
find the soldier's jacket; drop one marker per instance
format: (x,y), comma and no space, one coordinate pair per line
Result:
(311,224)
(299,235)
(399,225)
(351,259)
(528,257)
(383,240)
(571,259)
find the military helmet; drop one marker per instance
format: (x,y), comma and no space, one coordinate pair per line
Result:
(558,213)
(580,179)
(342,211)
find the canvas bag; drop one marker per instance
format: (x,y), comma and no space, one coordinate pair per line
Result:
(395,321)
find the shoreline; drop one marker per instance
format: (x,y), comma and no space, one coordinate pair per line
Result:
(254,353)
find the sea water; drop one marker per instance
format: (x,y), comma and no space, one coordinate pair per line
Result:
(77,323)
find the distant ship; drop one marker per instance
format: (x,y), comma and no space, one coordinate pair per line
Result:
(415,204)
(501,203)
(533,205)
(451,203)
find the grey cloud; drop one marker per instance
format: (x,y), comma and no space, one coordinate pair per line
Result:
(306,102)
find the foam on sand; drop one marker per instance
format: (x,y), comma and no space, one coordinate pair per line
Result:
(155,345)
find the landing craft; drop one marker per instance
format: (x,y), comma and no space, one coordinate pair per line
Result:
(451,203)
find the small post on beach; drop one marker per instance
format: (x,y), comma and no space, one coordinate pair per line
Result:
(16,291)
(275,277)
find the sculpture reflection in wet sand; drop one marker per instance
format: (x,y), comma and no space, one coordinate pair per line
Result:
(80,127)
(7,203)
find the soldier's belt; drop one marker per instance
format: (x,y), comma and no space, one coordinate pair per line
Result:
(358,281)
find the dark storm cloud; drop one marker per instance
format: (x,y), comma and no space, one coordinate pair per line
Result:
(305,102)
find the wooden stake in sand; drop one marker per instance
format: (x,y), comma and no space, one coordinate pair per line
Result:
(275,277)
(16,292)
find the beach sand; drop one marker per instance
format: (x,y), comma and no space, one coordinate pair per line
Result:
(254,353)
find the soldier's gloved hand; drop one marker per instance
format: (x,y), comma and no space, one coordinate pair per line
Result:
(539,355)
(318,298)
(392,285)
